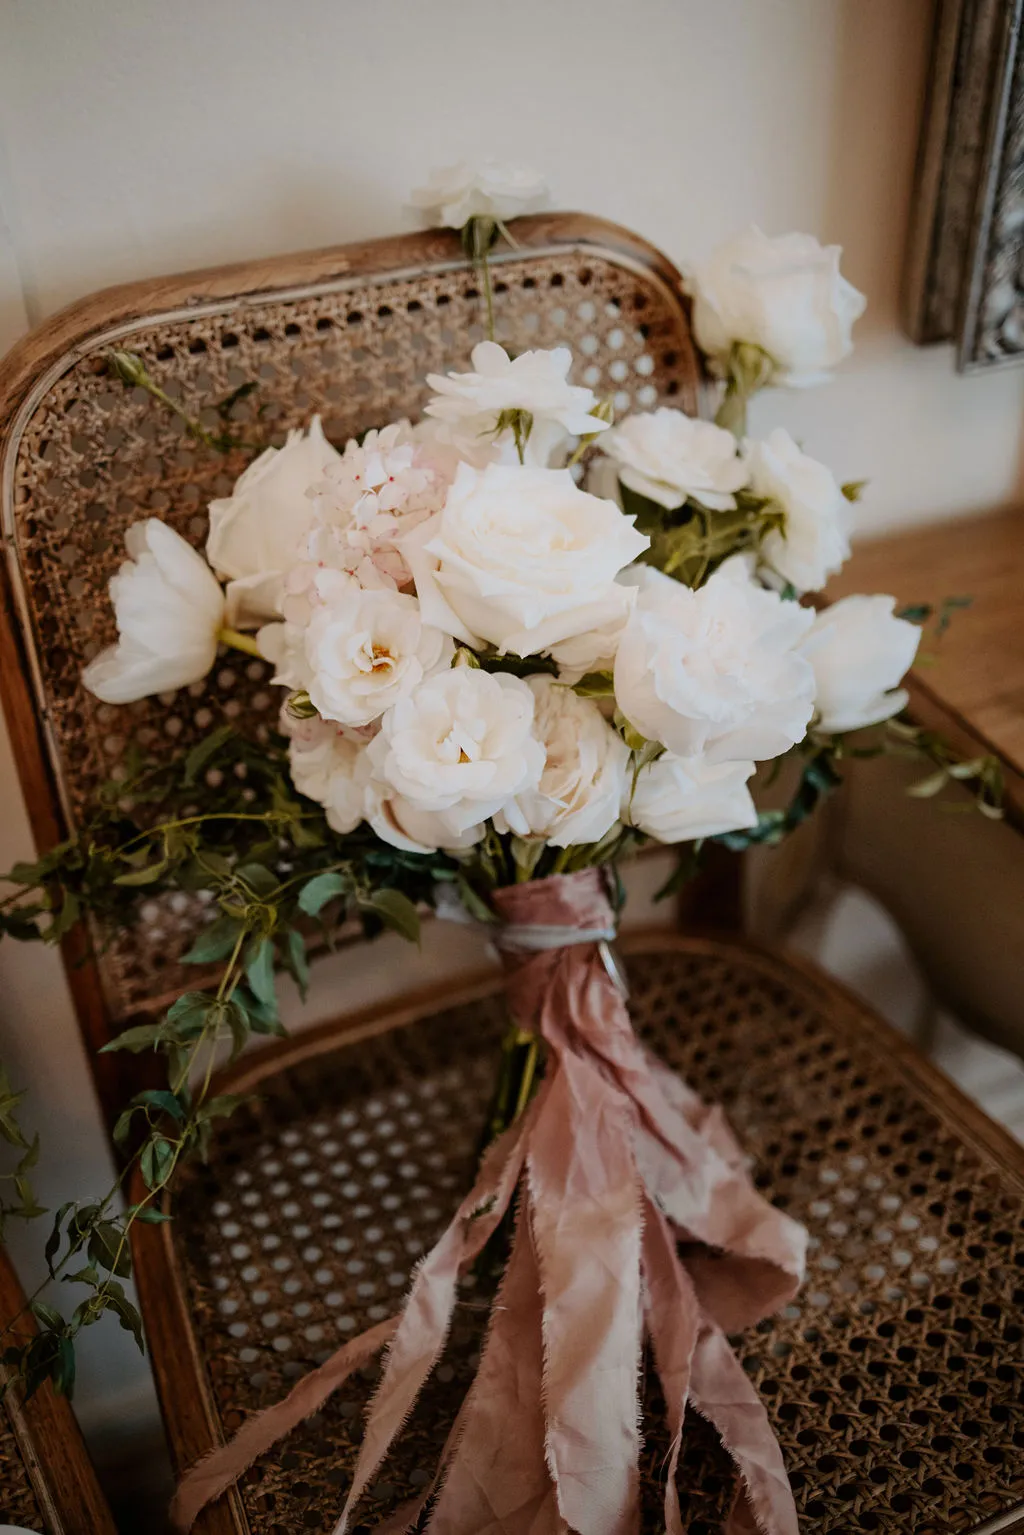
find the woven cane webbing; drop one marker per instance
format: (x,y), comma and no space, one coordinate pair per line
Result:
(18,1503)
(87,458)
(895,1382)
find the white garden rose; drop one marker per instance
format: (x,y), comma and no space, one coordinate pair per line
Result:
(469,404)
(258,531)
(169,609)
(679,799)
(580,790)
(405,826)
(784,295)
(461,744)
(859,651)
(715,670)
(522,559)
(816,538)
(366,650)
(325,766)
(671,458)
(490,189)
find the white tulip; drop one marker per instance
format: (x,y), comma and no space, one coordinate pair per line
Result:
(580,790)
(522,559)
(859,651)
(169,609)
(783,295)
(715,670)
(816,538)
(469,404)
(366,650)
(671,458)
(680,799)
(462,743)
(457,193)
(258,532)
(325,766)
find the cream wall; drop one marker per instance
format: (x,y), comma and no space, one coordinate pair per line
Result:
(142,136)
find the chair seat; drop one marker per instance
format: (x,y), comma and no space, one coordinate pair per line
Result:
(894,1382)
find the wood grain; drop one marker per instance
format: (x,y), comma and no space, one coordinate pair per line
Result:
(970,684)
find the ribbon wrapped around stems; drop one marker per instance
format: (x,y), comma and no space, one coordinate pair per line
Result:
(615,1163)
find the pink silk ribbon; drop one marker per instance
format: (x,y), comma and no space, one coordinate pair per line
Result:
(616,1162)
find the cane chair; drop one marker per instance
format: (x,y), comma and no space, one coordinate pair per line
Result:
(894,1381)
(47,1482)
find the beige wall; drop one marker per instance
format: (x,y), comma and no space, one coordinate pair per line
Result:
(137,137)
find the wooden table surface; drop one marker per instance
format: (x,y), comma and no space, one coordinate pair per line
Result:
(972,690)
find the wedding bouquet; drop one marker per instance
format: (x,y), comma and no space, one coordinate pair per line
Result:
(515,641)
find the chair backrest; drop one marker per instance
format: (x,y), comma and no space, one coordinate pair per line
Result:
(349,332)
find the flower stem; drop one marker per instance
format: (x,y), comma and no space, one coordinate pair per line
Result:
(239,641)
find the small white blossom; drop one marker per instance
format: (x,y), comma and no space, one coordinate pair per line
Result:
(671,458)
(859,651)
(325,766)
(457,193)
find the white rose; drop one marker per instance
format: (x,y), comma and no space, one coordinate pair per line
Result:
(365,650)
(457,193)
(469,404)
(580,790)
(859,651)
(815,540)
(784,295)
(715,670)
(258,531)
(671,458)
(522,559)
(169,609)
(397,821)
(680,799)
(462,743)
(325,766)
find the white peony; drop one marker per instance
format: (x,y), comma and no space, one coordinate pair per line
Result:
(784,295)
(457,193)
(169,609)
(461,744)
(366,650)
(522,559)
(257,533)
(715,670)
(580,790)
(671,458)
(816,537)
(680,799)
(326,766)
(469,404)
(859,651)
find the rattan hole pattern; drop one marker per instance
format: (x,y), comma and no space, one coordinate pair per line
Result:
(94,457)
(894,1381)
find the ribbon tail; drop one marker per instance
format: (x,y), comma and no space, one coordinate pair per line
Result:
(426,1316)
(722,1393)
(587,1222)
(221,1468)
(673,1322)
(497,1482)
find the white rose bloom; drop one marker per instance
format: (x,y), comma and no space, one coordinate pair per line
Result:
(680,799)
(462,744)
(325,766)
(284,646)
(522,559)
(258,531)
(859,651)
(715,670)
(469,404)
(670,458)
(784,295)
(816,539)
(457,193)
(366,650)
(580,790)
(397,821)
(169,609)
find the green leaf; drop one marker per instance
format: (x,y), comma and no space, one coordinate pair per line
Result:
(62,1371)
(259,972)
(53,1240)
(47,1316)
(853,489)
(215,942)
(316,892)
(297,961)
(145,876)
(117,1301)
(66,918)
(150,1216)
(156,1161)
(259,877)
(160,1098)
(208,748)
(915,612)
(595,685)
(397,911)
(108,1250)
(187,1016)
(145,1036)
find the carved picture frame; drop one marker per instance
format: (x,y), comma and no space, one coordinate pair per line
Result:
(964,278)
